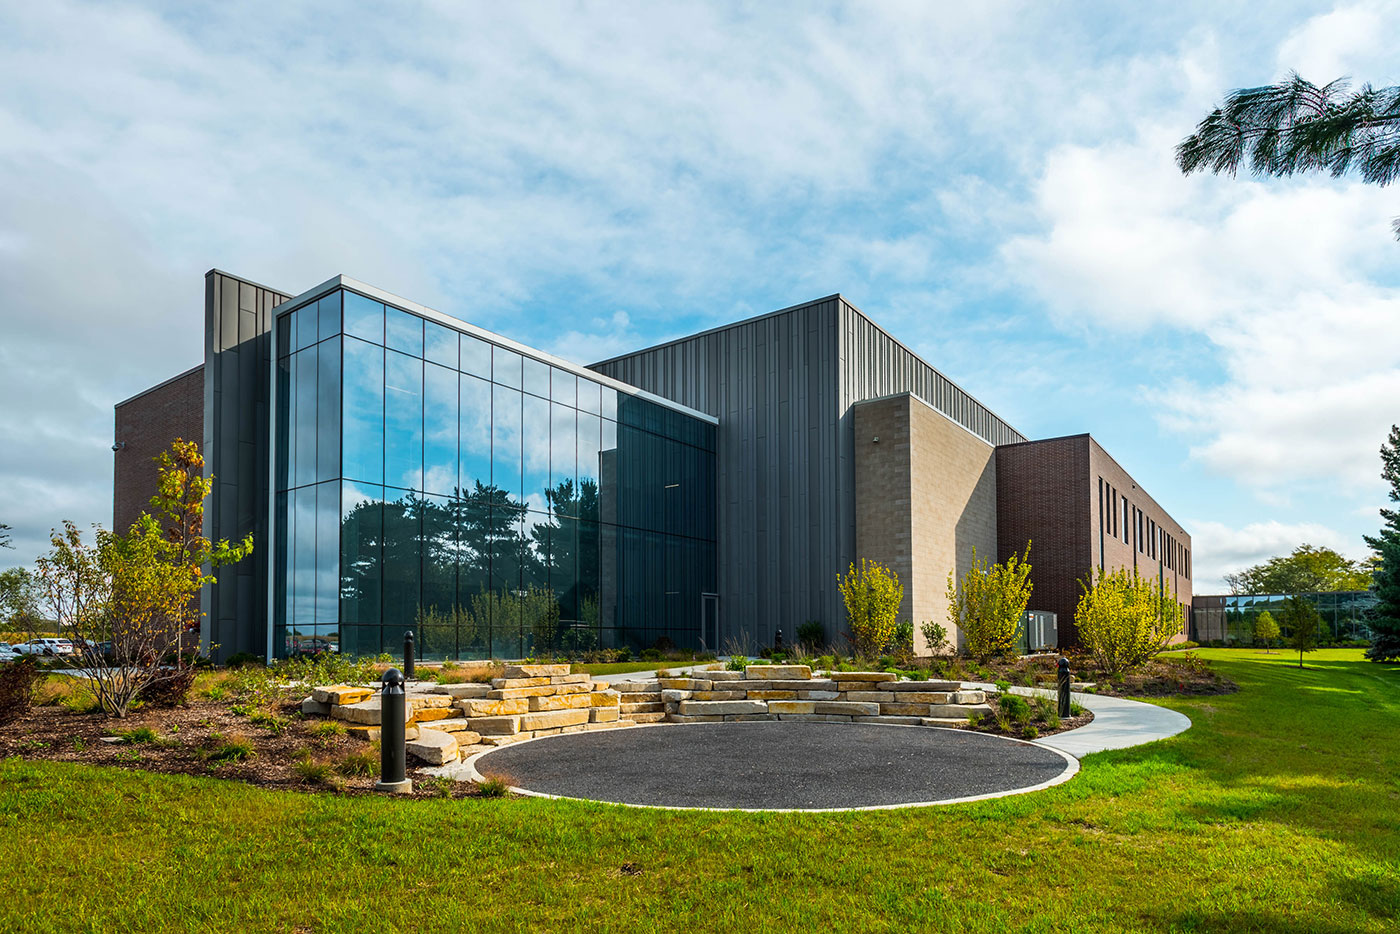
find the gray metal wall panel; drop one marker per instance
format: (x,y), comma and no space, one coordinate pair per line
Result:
(237,368)
(782,386)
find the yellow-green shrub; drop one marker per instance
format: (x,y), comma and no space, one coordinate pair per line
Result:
(990,604)
(872,593)
(1125,619)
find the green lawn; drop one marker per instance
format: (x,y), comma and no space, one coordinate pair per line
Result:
(1278,811)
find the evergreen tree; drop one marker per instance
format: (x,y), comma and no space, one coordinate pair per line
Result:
(1385,616)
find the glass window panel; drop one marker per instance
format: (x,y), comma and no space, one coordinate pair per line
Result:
(440,344)
(284,335)
(328,554)
(363,416)
(304,429)
(535,554)
(437,628)
(403,570)
(476,356)
(328,410)
(564,387)
(609,402)
(328,311)
(563,570)
(303,529)
(362,569)
(403,331)
(505,366)
(505,444)
(285,408)
(590,396)
(281,575)
(474,435)
(535,442)
(304,326)
(439,429)
(364,318)
(536,379)
(589,439)
(563,460)
(505,580)
(403,421)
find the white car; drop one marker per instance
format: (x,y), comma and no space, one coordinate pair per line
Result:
(7,654)
(45,646)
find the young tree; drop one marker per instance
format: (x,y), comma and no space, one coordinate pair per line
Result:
(1265,629)
(1385,616)
(1303,623)
(129,601)
(1306,570)
(872,594)
(991,603)
(1295,126)
(19,600)
(1125,619)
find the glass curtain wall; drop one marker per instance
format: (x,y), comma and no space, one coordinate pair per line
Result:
(1230,618)
(492,503)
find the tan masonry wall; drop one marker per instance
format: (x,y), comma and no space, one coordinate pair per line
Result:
(926,497)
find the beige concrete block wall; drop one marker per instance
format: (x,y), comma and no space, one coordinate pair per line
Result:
(925,499)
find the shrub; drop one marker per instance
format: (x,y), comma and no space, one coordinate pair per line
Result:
(973,718)
(651,655)
(313,771)
(935,637)
(271,722)
(1125,619)
(812,632)
(173,691)
(1029,731)
(1076,709)
(987,609)
(1014,707)
(243,660)
(903,642)
(17,680)
(327,732)
(362,763)
(493,786)
(872,594)
(230,749)
(736,663)
(1002,685)
(140,735)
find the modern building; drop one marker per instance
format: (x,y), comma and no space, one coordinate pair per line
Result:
(1229,618)
(401,469)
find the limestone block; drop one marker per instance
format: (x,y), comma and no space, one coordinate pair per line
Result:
(367,734)
(561,702)
(847,708)
(871,697)
(905,710)
(312,707)
(553,731)
(771,695)
(801,684)
(466,752)
(891,721)
(924,697)
(609,725)
(506,739)
(792,706)
(541,691)
(724,675)
(639,697)
(673,695)
(717,695)
(467,737)
(581,678)
(959,710)
(656,716)
(485,707)
(723,707)
(499,683)
(694,718)
(496,726)
(943,721)
(921,686)
(431,714)
(969,697)
(604,698)
(603,714)
(465,689)
(343,694)
(536,671)
(365,712)
(815,717)
(684,684)
(652,707)
(433,747)
(819,695)
(865,676)
(421,700)
(749,685)
(454,725)
(637,687)
(741,717)
(773,672)
(576,728)
(549,719)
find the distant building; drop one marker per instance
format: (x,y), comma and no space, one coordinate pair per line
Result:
(1230,617)
(401,469)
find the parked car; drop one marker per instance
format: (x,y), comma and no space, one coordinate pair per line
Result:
(7,653)
(45,646)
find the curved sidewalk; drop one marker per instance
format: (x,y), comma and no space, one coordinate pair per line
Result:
(1118,723)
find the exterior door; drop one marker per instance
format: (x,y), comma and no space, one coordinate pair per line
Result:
(709,622)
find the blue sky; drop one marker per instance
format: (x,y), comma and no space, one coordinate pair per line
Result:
(991,182)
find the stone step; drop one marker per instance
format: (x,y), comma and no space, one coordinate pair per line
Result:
(343,694)
(365,712)
(909,710)
(815,717)
(943,686)
(775,672)
(536,671)
(959,710)
(693,708)
(650,707)
(943,721)
(890,720)
(463,690)
(637,687)
(657,716)
(434,747)
(866,676)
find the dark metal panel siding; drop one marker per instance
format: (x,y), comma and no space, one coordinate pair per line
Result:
(237,364)
(772,383)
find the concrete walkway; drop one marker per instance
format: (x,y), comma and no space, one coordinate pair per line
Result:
(1118,723)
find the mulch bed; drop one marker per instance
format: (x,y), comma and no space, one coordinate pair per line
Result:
(188,733)
(1184,675)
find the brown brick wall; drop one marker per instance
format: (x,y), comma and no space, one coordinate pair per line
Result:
(925,500)
(147,424)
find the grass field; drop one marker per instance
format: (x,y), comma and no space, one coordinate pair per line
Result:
(1278,811)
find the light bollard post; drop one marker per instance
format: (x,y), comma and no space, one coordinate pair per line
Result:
(408,655)
(393,755)
(1064,686)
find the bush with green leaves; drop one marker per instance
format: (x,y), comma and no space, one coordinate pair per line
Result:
(872,594)
(812,633)
(1265,629)
(903,642)
(988,606)
(1124,620)
(935,637)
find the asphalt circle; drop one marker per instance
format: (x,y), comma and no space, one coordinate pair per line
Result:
(776,765)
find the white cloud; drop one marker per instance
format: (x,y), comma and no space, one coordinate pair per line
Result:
(1218,549)
(1335,44)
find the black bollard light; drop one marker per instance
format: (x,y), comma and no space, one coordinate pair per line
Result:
(1064,686)
(408,655)
(778,641)
(393,756)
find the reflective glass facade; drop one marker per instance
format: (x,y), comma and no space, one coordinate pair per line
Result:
(429,479)
(1230,618)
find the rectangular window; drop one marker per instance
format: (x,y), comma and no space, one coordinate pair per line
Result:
(1127,525)
(476,357)
(403,421)
(363,418)
(364,318)
(403,332)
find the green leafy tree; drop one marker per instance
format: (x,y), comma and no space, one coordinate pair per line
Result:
(1306,570)
(19,600)
(1296,126)
(1303,624)
(1385,616)
(1125,619)
(990,604)
(1265,629)
(872,593)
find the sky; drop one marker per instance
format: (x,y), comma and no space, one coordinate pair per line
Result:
(992,182)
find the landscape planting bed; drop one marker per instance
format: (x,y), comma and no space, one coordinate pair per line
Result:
(776,765)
